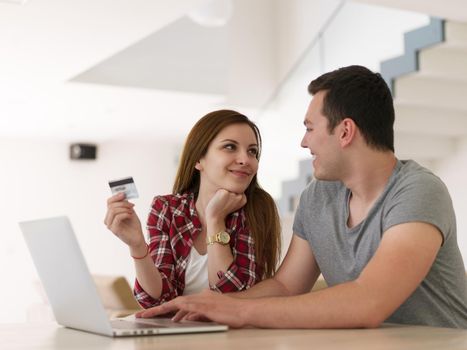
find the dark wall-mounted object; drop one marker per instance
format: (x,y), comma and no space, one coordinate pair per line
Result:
(83,151)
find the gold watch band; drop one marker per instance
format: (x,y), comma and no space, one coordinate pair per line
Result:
(221,237)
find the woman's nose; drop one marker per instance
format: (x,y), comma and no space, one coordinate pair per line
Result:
(242,158)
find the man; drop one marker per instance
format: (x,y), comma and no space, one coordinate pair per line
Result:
(381,231)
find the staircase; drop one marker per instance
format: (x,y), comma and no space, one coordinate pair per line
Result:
(429,85)
(431,102)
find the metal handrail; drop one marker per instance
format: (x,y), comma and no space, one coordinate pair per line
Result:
(318,39)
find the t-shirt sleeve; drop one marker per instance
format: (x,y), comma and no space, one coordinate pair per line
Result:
(420,198)
(298,224)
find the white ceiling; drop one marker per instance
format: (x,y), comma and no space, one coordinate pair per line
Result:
(46,43)
(168,60)
(93,70)
(455,10)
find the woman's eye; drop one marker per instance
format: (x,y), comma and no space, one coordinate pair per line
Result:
(253,151)
(230,146)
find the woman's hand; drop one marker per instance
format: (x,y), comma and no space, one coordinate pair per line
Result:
(122,220)
(223,203)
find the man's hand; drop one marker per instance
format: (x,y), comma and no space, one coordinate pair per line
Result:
(204,306)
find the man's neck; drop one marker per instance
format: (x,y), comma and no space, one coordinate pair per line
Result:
(366,181)
(369,175)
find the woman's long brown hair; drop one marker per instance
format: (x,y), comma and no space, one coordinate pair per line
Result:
(261,212)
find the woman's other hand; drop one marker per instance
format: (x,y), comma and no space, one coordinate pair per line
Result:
(122,220)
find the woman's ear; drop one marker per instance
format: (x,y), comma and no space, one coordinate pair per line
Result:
(198,166)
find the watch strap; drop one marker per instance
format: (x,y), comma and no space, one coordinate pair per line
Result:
(221,237)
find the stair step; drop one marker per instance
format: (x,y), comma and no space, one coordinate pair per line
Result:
(426,120)
(449,60)
(455,32)
(414,41)
(432,91)
(423,147)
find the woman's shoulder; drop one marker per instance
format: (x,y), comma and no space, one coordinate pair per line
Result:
(172,200)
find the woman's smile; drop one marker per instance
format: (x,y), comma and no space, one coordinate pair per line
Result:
(240,173)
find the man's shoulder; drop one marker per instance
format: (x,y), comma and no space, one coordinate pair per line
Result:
(321,187)
(418,195)
(412,173)
(322,193)
(412,168)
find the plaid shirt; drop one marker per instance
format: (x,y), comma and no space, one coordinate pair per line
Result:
(173,224)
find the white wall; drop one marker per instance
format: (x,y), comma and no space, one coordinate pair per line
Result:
(295,20)
(39,180)
(453,171)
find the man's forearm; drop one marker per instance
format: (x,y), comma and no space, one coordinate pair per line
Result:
(342,306)
(267,288)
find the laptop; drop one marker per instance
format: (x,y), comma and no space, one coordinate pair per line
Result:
(71,290)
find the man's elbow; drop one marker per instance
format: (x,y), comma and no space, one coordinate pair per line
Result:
(373,319)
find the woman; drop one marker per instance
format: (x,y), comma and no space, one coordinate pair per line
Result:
(217,230)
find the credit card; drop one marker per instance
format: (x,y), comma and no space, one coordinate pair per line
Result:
(125,185)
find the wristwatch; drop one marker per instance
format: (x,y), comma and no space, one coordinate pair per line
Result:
(221,237)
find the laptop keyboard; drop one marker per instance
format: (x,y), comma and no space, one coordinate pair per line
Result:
(122,324)
(150,323)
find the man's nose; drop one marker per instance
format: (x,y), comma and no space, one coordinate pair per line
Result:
(304,143)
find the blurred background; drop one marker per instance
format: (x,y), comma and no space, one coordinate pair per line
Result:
(131,77)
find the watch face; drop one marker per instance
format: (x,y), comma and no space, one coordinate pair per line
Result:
(224,237)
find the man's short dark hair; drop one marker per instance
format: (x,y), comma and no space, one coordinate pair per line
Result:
(356,92)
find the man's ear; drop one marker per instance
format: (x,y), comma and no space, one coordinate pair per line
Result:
(348,131)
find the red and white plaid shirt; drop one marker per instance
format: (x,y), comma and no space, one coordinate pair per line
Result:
(173,224)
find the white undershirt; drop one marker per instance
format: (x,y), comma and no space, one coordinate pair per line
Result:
(196,273)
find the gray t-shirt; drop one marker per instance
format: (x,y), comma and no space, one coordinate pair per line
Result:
(412,193)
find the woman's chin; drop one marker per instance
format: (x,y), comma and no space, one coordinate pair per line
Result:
(235,189)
